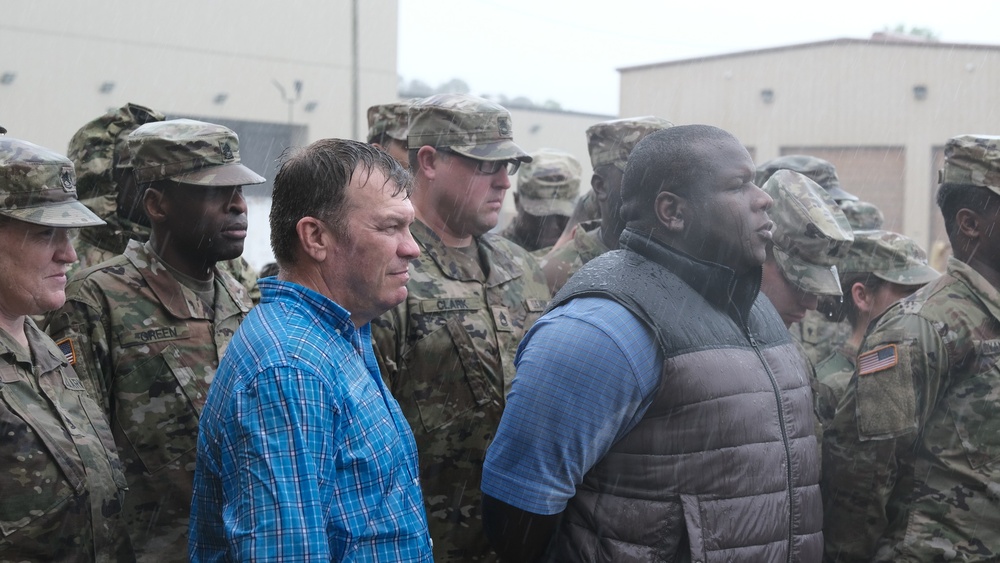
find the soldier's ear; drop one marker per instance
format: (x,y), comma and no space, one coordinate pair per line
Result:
(671,211)
(428,159)
(969,223)
(155,205)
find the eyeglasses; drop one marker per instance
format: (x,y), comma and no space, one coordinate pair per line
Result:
(489,167)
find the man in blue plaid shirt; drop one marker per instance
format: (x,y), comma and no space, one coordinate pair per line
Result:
(303,454)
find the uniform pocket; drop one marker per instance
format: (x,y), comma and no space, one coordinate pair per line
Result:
(447,377)
(38,475)
(155,412)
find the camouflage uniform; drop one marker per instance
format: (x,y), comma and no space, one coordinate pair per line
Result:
(447,352)
(548,185)
(885,255)
(96,149)
(564,261)
(912,468)
(147,345)
(61,485)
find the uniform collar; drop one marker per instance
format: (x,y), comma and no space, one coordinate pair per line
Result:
(988,295)
(178,300)
(461,266)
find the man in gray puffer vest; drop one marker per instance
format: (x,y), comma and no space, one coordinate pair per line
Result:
(660,410)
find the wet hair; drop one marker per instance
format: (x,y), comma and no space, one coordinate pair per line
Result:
(674,160)
(953,197)
(313,181)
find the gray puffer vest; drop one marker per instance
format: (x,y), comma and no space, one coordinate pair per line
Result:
(723,466)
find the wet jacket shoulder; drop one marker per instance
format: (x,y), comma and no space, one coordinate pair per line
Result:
(62,484)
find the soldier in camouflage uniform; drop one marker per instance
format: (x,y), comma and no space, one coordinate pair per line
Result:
(818,336)
(61,482)
(387,125)
(810,235)
(546,189)
(609,144)
(911,460)
(100,153)
(880,268)
(447,352)
(149,326)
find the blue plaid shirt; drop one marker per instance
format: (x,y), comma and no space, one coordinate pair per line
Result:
(303,455)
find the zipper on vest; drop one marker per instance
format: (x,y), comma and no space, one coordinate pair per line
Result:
(784,440)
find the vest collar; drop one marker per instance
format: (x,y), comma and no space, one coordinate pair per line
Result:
(718,284)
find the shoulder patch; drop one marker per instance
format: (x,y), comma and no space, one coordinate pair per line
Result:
(879,359)
(68,350)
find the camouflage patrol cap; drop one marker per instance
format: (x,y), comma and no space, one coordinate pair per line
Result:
(889,256)
(190,152)
(610,142)
(549,184)
(861,214)
(972,159)
(811,233)
(39,186)
(389,119)
(816,169)
(468,125)
(101,145)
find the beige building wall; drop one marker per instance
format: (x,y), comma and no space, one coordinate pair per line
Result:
(856,101)
(177,57)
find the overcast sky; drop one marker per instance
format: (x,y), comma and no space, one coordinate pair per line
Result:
(568,51)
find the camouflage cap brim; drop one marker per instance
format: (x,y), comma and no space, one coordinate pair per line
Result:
(839,194)
(497,150)
(543,207)
(234,174)
(919,274)
(70,213)
(811,278)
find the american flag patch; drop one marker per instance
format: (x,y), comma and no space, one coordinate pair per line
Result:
(66,347)
(878,359)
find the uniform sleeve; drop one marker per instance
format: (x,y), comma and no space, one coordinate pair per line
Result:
(269,452)
(867,446)
(387,340)
(581,354)
(80,329)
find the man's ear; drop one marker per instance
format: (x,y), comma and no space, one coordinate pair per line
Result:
(671,211)
(156,205)
(314,240)
(599,186)
(428,160)
(862,300)
(969,223)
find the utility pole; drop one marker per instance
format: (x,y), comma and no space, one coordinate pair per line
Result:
(289,99)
